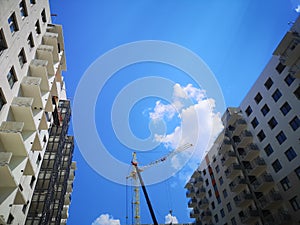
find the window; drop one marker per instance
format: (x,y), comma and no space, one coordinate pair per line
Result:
(209,193)
(204,172)
(276,95)
(217,169)
(297,171)
(248,110)
(265,109)
(289,79)
(38,160)
(10,219)
(268,83)
(12,21)
(276,165)
(281,137)
(290,154)
(11,77)
(213,205)
(222,213)
(295,203)
(216,218)
(225,193)
(229,207)
(233,221)
(268,149)
(221,180)
(206,182)
(295,123)
(43,14)
(285,108)
(280,67)
(32,181)
(23,9)
(37,27)
(3,44)
(25,207)
(32,2)
(261,135)
(218,199)
(30,41)
(272,123)
(254,122)
(297,92)
(22,58)
(258,98)
(285,183)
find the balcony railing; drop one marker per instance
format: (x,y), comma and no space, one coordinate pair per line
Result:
(192,203)
(243,199)
(240,125)
(233,170)
(205,215)
(249,216)
(282,217)
(263,183)
(270,200)
(257,166)
(194,213)
(203,204)
(229,157)
(238,184)
(245,138)
(249,152)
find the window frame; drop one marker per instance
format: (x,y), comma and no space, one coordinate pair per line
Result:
(285,183)
(295,123)
(276,166)
(276,95)
(269,83)
(23,9)
(22,58)
(289,79)
(268,149)
(13,24)
(258,97)
(290,154)
(254,123)
(272,123)
(265,110)
(281,137)
(11,77)
(285,108)
(261,135)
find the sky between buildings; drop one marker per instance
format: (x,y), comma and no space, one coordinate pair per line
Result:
(234,38)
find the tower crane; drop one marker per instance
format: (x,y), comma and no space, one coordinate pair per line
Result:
(137,178)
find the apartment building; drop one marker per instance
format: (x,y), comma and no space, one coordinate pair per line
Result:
(34,116)
(251,175)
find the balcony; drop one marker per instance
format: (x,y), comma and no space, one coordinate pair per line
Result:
(67,199)
(243,199)
(263,183)
(250,152)
(194,213)
(198,182)
(238,184)
(225,146)
(271,200)
(231,115)
(246,138)
(295,68)
(249,216)
(190,193)
(38,68)
(233,170)
(192,203)
(190,183)
(14,139)
(65,212)
(201,192)
(205,216)
(257,166)
(282,217)
(240,125)
(203,204)
(228,158)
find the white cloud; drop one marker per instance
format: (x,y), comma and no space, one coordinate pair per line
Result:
(169,219)
(162,110)
(297,9)
(106,219)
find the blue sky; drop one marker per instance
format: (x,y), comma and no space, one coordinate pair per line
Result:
(234,38)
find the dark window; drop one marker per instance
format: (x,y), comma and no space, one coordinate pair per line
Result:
(254,122)
(37,27)
(248,110)
(265,109)
(209,193)
(10,219)
(30,41)
(23,9)
(217,169)
(38,160)
(11,77)
(12,21)
(225,193)
(216,218)
(218,199)
(276,95)
(261,135)
(297,92)
(32,181)
(204,172)
(229,207)
(213,205)
(25,207)
(290,154)
(258,98)
(206,182)
(22,58)
(32,2)
(222,213)
(285,183)
(280,67)
(289,79)
(272,123)
(285,108)
(43,14)
(268,149)
(297,171)
(221,180)
(2,99)
(3,44)
(276,165)
(233,221)
(281,137)
(295,203)
(268,83)
(295,123)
